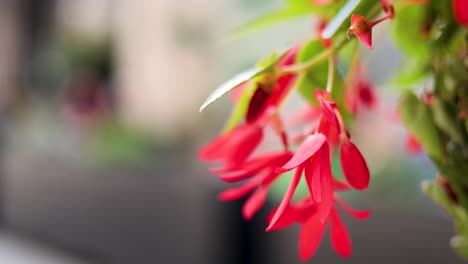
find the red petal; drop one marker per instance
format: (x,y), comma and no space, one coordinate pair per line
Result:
(310,235)
(354,166)
(210,152)
(340,185)
(327,185)
(286,199)
(254,203)
(329,112)
(460,10)
(358,214)
(240,191)
(233,147)
(299,212)
(365,37)
(339,236)
(330,131)
(241,148)
(308,148)
(253,166)
(312,176)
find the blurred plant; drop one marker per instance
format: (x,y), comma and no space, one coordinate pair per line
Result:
(432,36)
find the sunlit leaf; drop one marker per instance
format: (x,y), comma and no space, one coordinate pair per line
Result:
(240,108)
(407,31)
(242,77)
(410,74)
(229,85)
(273,17)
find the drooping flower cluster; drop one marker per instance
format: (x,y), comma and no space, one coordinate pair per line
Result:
(308,155)
(310,161)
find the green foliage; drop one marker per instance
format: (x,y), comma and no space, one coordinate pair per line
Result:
(408,31)
(417,117)
(240,109)
(276,16)
(410,74)
(445,117)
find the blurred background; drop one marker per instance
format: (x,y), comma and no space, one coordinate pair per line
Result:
(99,131)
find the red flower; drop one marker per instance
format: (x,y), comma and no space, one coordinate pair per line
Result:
(260,172)
(412,145)
(305,212)
(362,28)
(360,93)
(300,161)
(233,147)
(460,10)
(354,166)
(352,162)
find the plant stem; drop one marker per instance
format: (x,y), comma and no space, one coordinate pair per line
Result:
(331,72)
(302,67)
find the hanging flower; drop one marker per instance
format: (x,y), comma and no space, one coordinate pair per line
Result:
(305,213)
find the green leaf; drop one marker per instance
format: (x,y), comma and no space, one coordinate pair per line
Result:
(273,17)
(407,31)
(262,67)
(411,73)
(296,3)
(229,85)
(316,77)
(240,109)
(439,196)
(417,117)
(444,118)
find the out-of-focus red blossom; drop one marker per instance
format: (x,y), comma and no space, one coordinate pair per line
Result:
(412,145)
(387,6)
(460,10)
(360,92)
(321,2)
(307,114)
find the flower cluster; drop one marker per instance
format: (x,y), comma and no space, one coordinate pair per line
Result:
(308,155)
(310,161)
